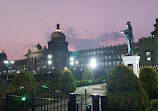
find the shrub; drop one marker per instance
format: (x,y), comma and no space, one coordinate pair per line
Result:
(67,82)
(22,78)
(149,79)
(88,74)
(123,85)
(3,88)
(80,83)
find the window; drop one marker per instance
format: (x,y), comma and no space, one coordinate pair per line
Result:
(105,57)
(148,54)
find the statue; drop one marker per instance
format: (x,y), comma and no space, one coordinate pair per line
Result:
(129,37)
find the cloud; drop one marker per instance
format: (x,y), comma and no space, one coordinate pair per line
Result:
(105,38)
(79,44)
(30,45)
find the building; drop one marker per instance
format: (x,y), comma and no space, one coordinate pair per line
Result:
(57,57)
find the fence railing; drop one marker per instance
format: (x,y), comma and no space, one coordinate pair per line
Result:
(39,98)
(43,98)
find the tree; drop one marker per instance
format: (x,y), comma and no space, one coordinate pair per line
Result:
(149,79)
(23,78)
(88,74)
(67,82)
(123,85)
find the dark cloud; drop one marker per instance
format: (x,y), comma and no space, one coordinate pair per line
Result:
(110,37)
(30,45)
(79,44)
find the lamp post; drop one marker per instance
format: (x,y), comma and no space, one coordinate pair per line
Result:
(49,65)
(8,64)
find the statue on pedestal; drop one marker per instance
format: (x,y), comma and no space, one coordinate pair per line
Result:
(129,37)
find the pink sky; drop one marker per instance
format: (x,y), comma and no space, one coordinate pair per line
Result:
(24,23)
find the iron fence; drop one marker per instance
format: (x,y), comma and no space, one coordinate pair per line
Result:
(40,98)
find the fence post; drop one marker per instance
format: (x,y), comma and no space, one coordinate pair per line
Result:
(104,103)
(95,102)
(33,101)
(7,100)
(72,102)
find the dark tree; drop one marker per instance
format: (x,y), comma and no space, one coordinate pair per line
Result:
(123,85)
(67,82)
(149,79)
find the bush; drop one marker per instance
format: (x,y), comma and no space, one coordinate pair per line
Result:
(93,82)
(3,88)
(88,74)
(67,82)
(149,79)
(22,78)
(123,84)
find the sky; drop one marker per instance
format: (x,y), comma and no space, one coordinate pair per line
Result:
(87,24)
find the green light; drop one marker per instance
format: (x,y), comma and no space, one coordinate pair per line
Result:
(44,86)
(104,80)
(23,98)
(85,90)
(89,81)
(22,87)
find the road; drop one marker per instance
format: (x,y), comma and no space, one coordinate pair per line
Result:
(92,89)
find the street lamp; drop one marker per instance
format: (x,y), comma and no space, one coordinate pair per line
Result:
(72,63)
(71,58)
(93,63)
(65,67)
(49,56)
(8,64)
(49,62)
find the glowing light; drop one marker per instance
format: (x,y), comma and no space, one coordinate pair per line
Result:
(12,62)
(21,87)
(58,30)
(49,56)
(65,67)
(23,98)
(76,62)
(49,62)
(71,58)
(71,63)
(6,62)
(93,63)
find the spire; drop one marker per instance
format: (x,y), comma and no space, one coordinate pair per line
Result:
(58,28)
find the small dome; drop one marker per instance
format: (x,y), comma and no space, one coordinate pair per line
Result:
(3,53)
(57,35)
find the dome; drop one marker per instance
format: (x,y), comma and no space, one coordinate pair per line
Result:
(57,35)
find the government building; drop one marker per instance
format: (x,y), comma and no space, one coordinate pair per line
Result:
(56,57)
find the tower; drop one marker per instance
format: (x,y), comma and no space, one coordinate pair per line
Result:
(58,49)
(155,34)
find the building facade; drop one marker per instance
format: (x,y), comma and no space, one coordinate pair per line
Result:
(57,57)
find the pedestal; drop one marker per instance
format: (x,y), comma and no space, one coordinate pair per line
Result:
(132,62)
